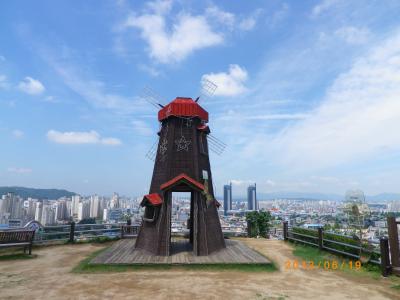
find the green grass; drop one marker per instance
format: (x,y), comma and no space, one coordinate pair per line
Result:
(396,286)
(96,240)
(16,256)
(308,253)
(260,296)
(85,267)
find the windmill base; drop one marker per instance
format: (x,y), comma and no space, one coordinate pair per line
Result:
(123,252)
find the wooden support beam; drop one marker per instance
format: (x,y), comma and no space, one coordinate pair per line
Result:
(393,241)
(385,259)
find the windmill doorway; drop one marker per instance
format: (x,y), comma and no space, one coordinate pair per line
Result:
(181,222)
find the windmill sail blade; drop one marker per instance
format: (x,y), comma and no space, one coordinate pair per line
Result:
(215,150)
(217,141)
(150,96)
(151,154)
(207,89)
(215,145)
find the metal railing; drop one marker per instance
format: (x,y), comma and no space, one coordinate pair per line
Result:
(84,232)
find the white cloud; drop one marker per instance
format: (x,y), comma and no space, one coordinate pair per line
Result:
(249,23)
(19,170)
(171,37)
(188,34)
(3,82)
(353,35)
(31,86)
(265,117)
(294,116)
(51,99)
(110,141)
(226,18)
(81,137)
(17,133)
(358,119)
(270,183)
(93,91)
(150,70)
(160,7)
(241,182)
(230,83)
(323,6)
(141,128)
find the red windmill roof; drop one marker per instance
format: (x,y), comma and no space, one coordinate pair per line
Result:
(154,199)
(181,177)
(183,107)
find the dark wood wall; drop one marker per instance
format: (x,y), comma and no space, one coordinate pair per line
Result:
(206,229)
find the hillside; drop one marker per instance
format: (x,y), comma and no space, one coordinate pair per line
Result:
(36,193)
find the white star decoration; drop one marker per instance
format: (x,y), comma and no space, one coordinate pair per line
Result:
(163,146)
(182,144)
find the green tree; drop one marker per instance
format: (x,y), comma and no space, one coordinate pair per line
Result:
(88,221)
(263,223)
(258,223)
(252,228)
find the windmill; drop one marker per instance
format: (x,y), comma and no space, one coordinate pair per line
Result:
(182,164)
(207,90)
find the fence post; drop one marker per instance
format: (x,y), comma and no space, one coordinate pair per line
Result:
(393,241)
(285,230)
(122,231)
(320,238)
(72,232)
(385,259)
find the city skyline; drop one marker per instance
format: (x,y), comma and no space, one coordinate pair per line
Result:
(71,116)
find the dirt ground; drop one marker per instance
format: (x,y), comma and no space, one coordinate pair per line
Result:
(49,277)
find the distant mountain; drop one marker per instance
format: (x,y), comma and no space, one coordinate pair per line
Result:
(383,197)
(299,195)
(35,193)
(316,196)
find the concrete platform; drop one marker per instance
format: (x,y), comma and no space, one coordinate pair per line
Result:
(124,252)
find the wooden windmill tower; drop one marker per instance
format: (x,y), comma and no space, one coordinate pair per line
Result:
(182,164)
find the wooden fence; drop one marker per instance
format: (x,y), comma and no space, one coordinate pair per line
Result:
(331,242)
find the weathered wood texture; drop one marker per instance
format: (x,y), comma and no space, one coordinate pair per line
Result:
(123,252)
(205,228)
(15,238)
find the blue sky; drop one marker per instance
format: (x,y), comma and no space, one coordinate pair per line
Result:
(308,94)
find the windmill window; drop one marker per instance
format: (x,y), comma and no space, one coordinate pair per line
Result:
(203,148)
(149,214)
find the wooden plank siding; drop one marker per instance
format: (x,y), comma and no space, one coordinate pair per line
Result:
(124,252)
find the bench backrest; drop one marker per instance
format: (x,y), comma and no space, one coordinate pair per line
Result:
(7,237)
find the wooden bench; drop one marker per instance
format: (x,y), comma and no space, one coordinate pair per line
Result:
(15,238)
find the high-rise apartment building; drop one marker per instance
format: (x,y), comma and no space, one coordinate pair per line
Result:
(252,203)
(38,211)
(76,199)
(48,215)
(61,212)
(94,206)
(84,210)
(31,208)
(114,203)
(227,198)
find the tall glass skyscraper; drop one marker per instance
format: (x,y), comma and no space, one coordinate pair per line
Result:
(252,203)
(227,198)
